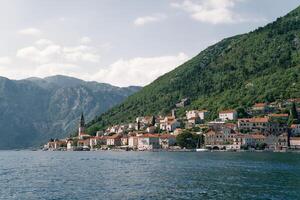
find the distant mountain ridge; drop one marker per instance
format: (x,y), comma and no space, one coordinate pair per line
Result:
(35,109)
(260,66)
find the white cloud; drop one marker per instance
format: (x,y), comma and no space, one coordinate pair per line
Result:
(43,42)
(213,11)
(140,21)
(85,40)
(5,60)
(58,53)
(140,70)
(30,31)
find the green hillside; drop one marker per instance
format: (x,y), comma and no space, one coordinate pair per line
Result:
(263,65)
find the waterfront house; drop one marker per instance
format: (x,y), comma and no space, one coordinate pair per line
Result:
(148,142)
(295,142)
(259,124)
(133,142)
(114,140)
(282,142)
(258,139)
(70,144)
(98,141)
(218,139)
(228,115)
(124,140)
(83,143)
(167,140)
(56,144)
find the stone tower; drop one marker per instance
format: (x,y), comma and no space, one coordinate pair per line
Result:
(81,129)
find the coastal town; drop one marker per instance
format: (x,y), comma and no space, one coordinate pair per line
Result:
(268,127)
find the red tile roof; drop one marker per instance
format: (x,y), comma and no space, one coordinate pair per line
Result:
(294,125)
(149,135)
(166,136)
(295,138)
(256,136)
(227,111)
(259,105)
(255,120)
(279,115)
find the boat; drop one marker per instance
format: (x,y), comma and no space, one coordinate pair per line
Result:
(199,149)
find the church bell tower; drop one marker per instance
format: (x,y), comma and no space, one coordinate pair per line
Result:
(81,129)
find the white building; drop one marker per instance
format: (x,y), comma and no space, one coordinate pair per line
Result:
(196,113)
(133,142)
(169,124)
(148,142)
(228,115)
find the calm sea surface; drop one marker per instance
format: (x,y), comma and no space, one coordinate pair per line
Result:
(149,175)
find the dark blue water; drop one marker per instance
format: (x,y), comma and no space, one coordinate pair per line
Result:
(148,175)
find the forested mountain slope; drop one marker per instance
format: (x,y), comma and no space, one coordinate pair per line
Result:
(262,65)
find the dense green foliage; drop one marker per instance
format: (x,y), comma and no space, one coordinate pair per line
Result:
(189,140)
(293,118)
(261,66)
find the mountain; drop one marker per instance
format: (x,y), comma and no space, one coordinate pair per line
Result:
(34,110)
(260,66)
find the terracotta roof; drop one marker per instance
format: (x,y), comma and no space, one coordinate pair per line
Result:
(227,111)
(255,120)
(230,125)
(115,136)
(148,135)
(295,125)
(240,135)
(259,105)
(256,136)
(295,138)
(279,115)
(211,132)
(98,137)
(166,136)
(191,118)
(296,100)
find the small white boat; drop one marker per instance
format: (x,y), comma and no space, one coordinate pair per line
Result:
(202,150)
(198,148)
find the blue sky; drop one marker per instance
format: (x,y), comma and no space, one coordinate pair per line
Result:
(120,42)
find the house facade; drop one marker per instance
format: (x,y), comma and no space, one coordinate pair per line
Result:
(228,115)
(166,141)
(148,142)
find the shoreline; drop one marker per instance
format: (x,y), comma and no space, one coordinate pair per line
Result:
(177,150)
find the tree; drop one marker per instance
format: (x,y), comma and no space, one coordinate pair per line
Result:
(293,114)
(187,140)
(242,113)
(153,121)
